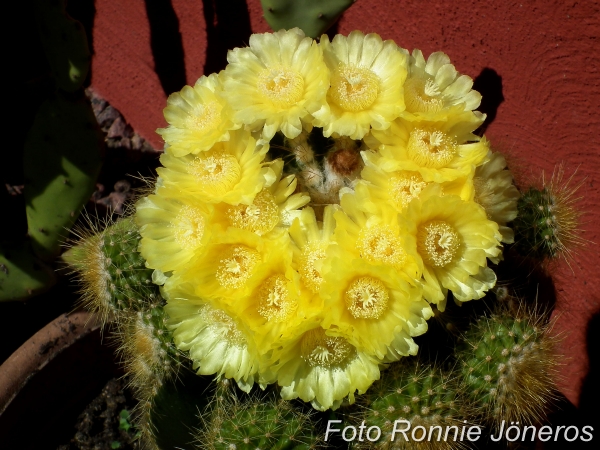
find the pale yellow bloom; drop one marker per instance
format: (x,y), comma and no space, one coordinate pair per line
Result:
(495,191)
(454,238)
(173,227)
(273,209)
(231,172)
(367,75)
(198,117)
(439,151)
(276,82)
(218,342)
(434,86)
(321,369)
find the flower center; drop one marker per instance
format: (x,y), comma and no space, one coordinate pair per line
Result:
(318,349)
(283,86)
(274,301)
(237,266)
(204,117)
(380,244)
(260,217)
(404,187)
(366,298)
(433,149)
(422,96)
(217,172)
(354,88)
(306,266)
(438,243)
(224,326)
(189,227)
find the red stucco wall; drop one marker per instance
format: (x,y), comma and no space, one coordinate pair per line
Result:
(545,51)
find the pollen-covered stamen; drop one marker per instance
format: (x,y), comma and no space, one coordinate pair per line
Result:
(306,266)
(318,349)
(260,217)
(274,300)
(379,244)
(438,243)
(283,86)
(216,172)
(224,326)
(189,227)
(431,148)
(422,95)
(354,88)
(237,266)
(204,117)
(366,298)
(404,187)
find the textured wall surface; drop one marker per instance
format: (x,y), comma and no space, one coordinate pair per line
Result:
(538,60)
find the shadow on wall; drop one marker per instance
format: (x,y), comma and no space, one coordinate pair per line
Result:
(166,44)
(227,27)
(489,84)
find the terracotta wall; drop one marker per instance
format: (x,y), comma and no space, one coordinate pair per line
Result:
(538,66)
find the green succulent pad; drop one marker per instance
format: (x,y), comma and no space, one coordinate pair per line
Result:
(313,17)
(62,159)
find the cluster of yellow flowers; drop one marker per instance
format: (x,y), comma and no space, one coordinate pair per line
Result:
(266,284)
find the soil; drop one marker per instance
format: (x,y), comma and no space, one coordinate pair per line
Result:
(106,423)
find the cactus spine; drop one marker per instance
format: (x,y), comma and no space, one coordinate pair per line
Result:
(426,396)
(508,367)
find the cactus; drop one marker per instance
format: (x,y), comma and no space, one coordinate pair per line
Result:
(313,17)
(426,396)
(61,161)
(22,275)
(147,349)
(547,222)
(257,421)
(113,275)
(65,44)
(508,367)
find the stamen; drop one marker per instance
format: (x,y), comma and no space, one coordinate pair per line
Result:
(354,88)
(274,302)
(438,243)
(260,217)
(282,86)
(318,349)
(189,227)
(217,172)
(431,148)
(379,244)
(237,266)
(366,298)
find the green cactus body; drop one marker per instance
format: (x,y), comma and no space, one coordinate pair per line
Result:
(148,352)
(61,162)
(113,274)
(535,226)
(65,44)
(425,396)
(22,275)
(258,423)
(313,17)
(507,365)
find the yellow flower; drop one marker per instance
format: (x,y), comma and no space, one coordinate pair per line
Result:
(454,238)
(312,241)
(173,228)
(440,151)
(376,237)
(198,117)
(367,75)
(231,172)
(272,210)
(495,191)
(322,369)
(377,311)
(218,342)
(277,82)
(233,265)
(434,86)
(277,306)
